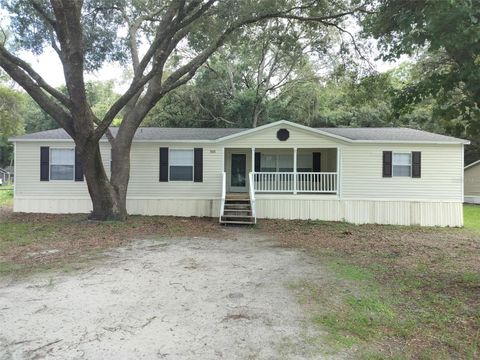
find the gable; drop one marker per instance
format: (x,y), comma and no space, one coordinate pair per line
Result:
(267,138)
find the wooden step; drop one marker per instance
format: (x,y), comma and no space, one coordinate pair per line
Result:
(237,206)
(237,195)
(238,222)
(238,216)
(236,211)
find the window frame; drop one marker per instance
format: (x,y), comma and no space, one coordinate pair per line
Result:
(52,164)
(277,162)
(410,165)
(170,164)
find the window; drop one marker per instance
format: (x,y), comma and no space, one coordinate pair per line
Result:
(181,165)
(62,164)
(285,163)
(304,163)
(276,163)
(269,163)
(402,164)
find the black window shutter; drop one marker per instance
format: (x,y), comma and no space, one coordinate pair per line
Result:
(416,164)
(258,157)
(387,164)
(78,167)
(44,163)
(198,165)
(163,164)
(317,162)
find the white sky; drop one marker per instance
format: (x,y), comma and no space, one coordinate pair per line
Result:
(48,65)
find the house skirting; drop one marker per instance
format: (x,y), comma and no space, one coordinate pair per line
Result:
(135,206)
(394,212)
(364,211)
(472,199)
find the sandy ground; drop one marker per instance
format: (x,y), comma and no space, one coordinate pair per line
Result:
(192,298)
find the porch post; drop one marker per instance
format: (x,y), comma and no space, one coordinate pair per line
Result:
(253,160)
(294,170)
(338,171)
(223,159)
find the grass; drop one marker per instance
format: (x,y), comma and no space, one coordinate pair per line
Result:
(394,292)
(471,217)
(6,195)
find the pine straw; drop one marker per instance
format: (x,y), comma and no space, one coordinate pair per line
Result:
(29,241)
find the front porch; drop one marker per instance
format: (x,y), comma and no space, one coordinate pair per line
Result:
(248,172)
(281,170)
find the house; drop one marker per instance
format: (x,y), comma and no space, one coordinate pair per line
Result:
(472,183)
(280,170)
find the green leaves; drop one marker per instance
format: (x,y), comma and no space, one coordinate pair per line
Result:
(444,37)
(11,120)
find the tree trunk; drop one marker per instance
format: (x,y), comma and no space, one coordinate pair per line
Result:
(256,115)
(108,204)
(121,174)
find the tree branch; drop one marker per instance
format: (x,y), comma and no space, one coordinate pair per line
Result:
(35,91)
(36,77)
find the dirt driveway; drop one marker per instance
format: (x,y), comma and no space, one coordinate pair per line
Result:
(190,298)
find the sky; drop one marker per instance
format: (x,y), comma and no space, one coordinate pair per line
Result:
(48,65)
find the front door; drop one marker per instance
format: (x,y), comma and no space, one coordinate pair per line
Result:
(238,176)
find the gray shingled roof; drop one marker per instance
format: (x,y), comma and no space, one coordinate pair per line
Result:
(356,134)
(390,134)
(144,133)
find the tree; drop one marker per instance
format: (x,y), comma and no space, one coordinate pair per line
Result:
(238,85)
(86,34)
(446,34)
(11,120)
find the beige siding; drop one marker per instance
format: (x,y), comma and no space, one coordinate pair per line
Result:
(144,173)
(441,180)
(27,172)
(472,181)
(365,196)
(267,138)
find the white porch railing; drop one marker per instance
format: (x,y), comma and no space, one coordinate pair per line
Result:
(325,182)
(224,193)
(289,182)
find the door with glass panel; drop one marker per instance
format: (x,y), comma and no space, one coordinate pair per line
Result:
(238,173)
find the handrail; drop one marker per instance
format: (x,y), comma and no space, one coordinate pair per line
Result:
(296,182)
(252,195)
(224,193)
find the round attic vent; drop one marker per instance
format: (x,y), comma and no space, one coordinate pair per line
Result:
(283,134)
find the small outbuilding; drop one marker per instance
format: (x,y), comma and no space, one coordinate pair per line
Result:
(472,183)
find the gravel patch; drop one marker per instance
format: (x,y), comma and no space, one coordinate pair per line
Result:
(173,298)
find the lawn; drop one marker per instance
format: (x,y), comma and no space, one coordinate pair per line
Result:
(471,217)
(397,292)
(6,195)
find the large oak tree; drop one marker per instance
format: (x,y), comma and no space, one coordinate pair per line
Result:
(152,38)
